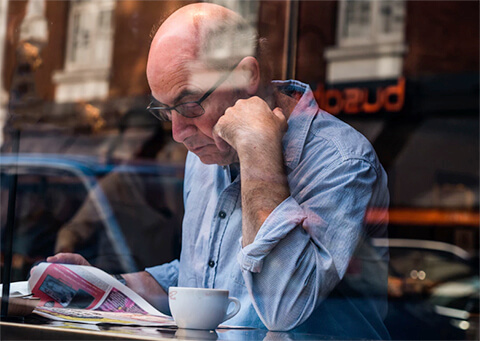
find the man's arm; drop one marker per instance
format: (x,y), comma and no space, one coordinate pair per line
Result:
(141,282)
(303,245)
(264,187)
(256,133)
(147,287)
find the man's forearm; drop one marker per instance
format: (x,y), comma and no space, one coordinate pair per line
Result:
(255,132)
(264,187)
(149,289)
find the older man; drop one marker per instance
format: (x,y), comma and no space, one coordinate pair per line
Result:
(276,190)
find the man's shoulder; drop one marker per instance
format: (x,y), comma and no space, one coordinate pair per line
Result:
(328,139)
(335,136)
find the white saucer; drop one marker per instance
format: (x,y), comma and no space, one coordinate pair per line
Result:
(17,289)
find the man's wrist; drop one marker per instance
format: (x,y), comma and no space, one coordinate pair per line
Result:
(120,278)
(259,147)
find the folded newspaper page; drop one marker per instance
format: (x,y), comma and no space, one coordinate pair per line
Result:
(69,292)
(97,317)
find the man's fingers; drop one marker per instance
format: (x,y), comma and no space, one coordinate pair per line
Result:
(246,122)
(68,258)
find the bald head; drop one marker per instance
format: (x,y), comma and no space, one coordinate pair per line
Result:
(204,33)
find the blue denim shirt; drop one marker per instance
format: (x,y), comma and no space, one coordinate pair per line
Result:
(296,273)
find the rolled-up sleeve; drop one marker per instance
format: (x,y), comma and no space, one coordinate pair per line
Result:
(287,216)
(166,274)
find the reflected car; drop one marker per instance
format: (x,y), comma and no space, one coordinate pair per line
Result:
(53,188)
(433,291)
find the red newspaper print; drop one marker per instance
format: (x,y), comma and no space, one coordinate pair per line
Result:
(60,287)
(116,301)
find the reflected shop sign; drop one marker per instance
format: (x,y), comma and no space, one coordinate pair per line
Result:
(368,98)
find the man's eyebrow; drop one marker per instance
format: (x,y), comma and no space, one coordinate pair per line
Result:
(183,94)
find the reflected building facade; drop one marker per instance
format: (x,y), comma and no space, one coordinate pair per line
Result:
(403,73)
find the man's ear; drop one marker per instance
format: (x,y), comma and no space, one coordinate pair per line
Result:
(250,71)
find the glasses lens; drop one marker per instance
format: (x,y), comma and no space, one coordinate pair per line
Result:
(190,109)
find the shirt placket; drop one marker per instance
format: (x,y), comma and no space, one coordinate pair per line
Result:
(225,207)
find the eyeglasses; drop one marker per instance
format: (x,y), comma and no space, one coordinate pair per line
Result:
(187,109)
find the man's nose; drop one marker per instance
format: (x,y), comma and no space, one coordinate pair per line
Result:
(182,127)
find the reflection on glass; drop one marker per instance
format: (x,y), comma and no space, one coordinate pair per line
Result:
(357,19)
(107,182)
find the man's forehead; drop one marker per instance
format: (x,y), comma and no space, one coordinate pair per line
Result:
(179,70)
(193,81)
(200,75)
(172,71)
(168,59)
(204,77)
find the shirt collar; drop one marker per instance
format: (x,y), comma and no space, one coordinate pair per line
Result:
(299,121)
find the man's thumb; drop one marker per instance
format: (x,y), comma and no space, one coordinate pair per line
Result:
(281,116)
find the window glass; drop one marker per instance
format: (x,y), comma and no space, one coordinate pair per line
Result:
(357,215)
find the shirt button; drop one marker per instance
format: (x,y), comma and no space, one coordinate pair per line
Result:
(222,214)
(211,264)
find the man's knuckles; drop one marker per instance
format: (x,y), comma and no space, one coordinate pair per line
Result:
(223,129)
(249,120)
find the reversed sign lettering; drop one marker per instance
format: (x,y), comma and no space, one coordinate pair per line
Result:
(357,100)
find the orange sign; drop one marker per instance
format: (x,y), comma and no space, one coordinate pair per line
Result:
(356,100)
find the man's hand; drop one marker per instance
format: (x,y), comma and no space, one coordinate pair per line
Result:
(68,258)
(250,126)
(140,282)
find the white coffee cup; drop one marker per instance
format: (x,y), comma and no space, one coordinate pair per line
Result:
(200,308)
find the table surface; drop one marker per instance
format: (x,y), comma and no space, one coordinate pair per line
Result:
(35,327)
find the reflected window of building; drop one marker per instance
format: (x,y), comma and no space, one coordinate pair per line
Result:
(356,19)
(90,39)
(248,9)
(89,51)
(367,22)
(370,41)
(225,53)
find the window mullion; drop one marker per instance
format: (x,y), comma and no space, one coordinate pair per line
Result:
(341,22)
(375,22)
(92,15)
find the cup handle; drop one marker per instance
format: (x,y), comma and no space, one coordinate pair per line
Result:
(235,310)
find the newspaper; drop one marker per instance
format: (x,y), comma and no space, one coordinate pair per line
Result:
(98,317)
(86,294)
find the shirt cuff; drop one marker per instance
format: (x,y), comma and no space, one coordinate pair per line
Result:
(284,218)
(166,274)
